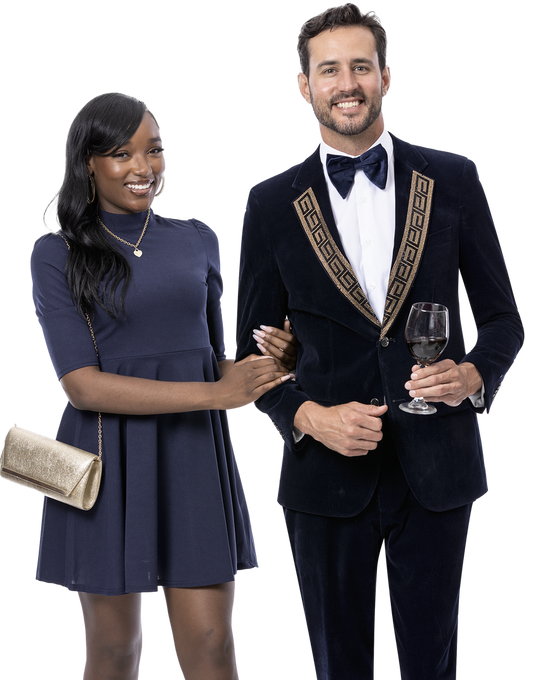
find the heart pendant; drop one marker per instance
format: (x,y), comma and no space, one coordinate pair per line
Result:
(137,252)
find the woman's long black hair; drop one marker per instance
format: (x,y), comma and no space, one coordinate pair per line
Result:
(100,128)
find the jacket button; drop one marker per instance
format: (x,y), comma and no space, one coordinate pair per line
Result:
(374,402)
(385,342)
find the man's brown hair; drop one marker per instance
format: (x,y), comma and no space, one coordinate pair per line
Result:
(345,15)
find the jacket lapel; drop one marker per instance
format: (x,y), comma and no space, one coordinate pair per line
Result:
(414,193)
(311,174)
(329,254)
(313,209)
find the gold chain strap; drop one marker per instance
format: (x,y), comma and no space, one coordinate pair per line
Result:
(99,414)
(98,357)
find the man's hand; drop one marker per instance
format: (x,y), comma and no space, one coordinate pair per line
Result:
(351,429)
(445,381)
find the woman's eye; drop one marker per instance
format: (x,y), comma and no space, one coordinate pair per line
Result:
(124,154)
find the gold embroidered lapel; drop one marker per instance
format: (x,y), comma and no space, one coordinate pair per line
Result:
(403,272)
(405,267)
(330,256)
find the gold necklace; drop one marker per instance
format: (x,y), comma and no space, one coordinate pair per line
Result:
(135,246)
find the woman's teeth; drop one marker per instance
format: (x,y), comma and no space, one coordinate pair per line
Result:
(139,187)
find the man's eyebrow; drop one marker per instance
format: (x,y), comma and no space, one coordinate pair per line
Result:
(330,62)
(362,60)
(335,62)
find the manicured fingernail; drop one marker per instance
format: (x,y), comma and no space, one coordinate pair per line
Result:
(285,377)
(260,333)
(267,329)
(257,338)
(407,386)
(261,348)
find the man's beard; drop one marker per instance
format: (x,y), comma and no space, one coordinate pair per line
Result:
(348,126)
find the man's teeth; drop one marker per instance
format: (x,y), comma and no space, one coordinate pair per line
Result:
(348,105)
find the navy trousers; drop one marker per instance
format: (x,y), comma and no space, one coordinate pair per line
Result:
(336,562)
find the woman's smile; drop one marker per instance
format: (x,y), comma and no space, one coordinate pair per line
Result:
(140,188)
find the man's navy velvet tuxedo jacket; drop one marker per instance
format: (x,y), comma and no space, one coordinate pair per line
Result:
(292,264)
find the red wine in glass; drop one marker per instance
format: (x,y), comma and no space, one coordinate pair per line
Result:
(426,335)
(426,350)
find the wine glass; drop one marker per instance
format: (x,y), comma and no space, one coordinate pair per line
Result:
(426,334)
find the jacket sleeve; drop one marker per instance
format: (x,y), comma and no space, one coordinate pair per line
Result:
(500,331)
(263,300)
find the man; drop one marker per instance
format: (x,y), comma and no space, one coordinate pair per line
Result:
(344,248)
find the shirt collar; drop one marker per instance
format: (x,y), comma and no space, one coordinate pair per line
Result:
(385,140)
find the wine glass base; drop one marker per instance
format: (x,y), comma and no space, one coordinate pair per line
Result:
(423,410)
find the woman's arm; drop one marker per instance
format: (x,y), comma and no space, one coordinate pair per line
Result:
(90,389)
(224,366)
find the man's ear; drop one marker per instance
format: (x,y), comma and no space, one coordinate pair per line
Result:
(303,84)
(385,80)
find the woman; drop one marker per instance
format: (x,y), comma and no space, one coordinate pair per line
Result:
(171,509)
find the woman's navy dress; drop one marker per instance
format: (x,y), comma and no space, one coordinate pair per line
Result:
(171,509)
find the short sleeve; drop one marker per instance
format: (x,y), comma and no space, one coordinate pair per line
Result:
(66,332)
(214,289)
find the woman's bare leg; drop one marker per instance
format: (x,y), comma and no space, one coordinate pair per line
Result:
(113,633)
(201,625)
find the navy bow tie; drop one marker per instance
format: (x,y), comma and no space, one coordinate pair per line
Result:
(341,169)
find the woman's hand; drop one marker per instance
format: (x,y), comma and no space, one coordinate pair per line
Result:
(247,380)
(280,344)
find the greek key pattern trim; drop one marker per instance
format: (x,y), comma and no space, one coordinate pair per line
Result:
(405,267)
(330,256)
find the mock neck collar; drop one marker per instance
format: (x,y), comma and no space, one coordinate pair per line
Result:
(118,221)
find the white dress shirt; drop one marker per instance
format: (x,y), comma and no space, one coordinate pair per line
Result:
(365,220)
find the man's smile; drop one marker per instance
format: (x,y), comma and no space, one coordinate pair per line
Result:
(348,105)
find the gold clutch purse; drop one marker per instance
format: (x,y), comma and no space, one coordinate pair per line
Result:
(60,471)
